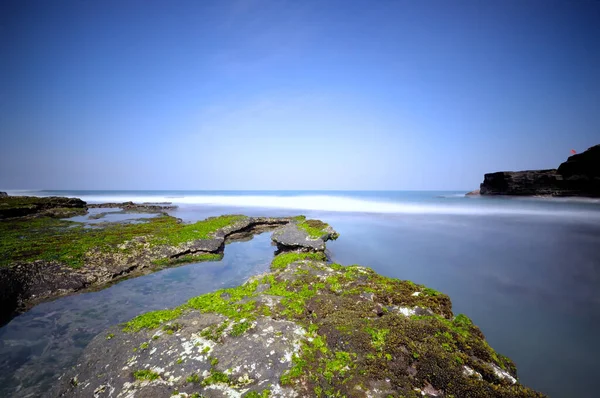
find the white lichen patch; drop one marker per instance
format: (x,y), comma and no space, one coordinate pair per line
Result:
(225,390)
(128,390)
(269,301)
(98,392)
(502,374)
(173,379)
(268,329)
(197,345)
(406,311)
(244,380)
(287,357)
(278,391)
(469,372)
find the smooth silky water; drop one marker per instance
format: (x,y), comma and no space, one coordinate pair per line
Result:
(527,271)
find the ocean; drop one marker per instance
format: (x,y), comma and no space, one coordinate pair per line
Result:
(526,270)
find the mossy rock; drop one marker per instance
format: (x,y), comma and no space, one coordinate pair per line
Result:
(304,235)
(42,257)
(353,333)
(21,206)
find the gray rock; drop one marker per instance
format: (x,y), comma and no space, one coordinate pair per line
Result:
(3,194)
(252,361)
(291,237)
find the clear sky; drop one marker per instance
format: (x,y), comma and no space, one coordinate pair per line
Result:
(253,94)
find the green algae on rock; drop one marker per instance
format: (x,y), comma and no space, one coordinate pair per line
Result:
(303,235)
(21,206)
(316,228)
(43,257)
(308,328)
(67,242)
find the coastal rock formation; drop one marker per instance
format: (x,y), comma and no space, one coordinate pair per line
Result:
(526,183)
(303,235)
(308,328)
(3,194)
(136,207)
(44,258)
(20,206)
(578,176)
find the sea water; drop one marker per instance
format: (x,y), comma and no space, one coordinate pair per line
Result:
(526,270)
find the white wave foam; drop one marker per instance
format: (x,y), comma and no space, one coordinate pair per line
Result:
(350,205)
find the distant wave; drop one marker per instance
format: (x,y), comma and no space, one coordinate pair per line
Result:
(355,205)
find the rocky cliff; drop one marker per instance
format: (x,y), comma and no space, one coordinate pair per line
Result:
(578,176)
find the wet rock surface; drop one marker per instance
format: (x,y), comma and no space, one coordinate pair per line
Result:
(306,329)
(578,176)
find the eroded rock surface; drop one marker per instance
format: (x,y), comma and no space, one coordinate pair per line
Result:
(306,329)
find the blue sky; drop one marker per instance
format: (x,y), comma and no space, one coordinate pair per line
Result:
(254,94)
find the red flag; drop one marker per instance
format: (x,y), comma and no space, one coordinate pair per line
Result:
(573,151)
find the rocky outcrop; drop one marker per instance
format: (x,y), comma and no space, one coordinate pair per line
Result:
(473,193)
(303,235)
(21,206)
(578,176)
(3,194)
(525,183)
(24,284)
(136,207)
(581,173)
(306,329)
